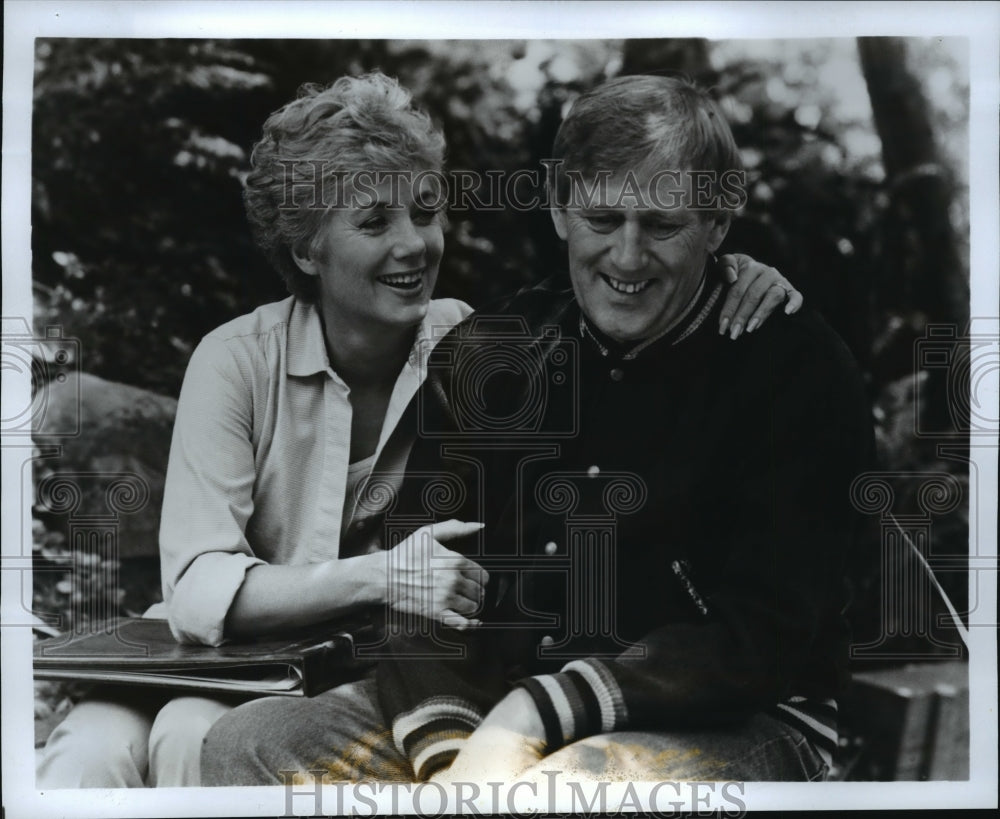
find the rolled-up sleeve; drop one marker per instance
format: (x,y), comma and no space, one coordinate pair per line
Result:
(260,454)
(208,497)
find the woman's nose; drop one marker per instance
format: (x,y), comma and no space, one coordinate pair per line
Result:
(409,241)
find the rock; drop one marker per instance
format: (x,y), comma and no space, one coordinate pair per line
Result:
(114,468)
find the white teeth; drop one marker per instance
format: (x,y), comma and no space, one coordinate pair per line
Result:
(401,278)
(626,287)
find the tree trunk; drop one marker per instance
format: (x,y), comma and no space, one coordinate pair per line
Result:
(923,265)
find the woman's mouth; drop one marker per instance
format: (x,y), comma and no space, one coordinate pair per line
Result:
(622,286)
(403,281)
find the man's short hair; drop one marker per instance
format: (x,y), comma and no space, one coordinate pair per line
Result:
(643,124)
(358,124)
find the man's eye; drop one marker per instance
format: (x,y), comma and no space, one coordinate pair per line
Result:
(662,230)
(602,222)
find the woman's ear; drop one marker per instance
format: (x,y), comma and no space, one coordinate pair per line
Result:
(559,220)
(718,231)
(303,256)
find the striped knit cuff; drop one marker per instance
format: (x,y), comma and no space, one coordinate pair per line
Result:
(816,719)
(581,700)
(432,734)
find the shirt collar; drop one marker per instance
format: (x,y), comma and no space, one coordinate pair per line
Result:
(691,319)
(431,330)
(307,345)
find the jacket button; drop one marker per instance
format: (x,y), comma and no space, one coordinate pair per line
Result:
(550,547)
(546,641)
(617,374)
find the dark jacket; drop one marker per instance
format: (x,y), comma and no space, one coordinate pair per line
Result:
(665,533)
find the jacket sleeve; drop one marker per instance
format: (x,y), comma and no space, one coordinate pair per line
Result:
(433,703)
(775,593)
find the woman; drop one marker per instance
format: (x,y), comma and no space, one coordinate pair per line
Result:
(284,412)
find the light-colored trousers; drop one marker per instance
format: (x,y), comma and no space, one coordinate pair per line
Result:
(128,740)
(342,733)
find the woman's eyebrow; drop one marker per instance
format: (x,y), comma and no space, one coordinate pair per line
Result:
(426,199)
(379,204)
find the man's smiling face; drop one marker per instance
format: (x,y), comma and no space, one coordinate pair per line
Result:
(635,267)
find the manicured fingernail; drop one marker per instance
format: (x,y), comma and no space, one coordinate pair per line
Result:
(753,323)
(735,332)
(723,325)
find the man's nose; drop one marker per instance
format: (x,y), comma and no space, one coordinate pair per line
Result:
(628,253)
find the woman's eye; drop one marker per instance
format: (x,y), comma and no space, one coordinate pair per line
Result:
(425,216)
(374,223)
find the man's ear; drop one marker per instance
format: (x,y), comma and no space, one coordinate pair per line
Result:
(719,229)
(559,220)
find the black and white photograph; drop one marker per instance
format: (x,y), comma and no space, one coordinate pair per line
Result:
(498,408)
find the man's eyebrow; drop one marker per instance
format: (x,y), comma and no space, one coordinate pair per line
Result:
(661,216)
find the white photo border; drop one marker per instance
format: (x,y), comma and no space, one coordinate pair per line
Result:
(24,20)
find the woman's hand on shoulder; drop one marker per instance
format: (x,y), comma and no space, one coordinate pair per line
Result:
(755,291)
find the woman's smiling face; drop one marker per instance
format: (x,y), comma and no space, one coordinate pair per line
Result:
(377,258)
(634,266)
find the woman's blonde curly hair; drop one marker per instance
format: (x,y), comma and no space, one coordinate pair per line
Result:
(358,124)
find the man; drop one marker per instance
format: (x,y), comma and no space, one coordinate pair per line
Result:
(665,512)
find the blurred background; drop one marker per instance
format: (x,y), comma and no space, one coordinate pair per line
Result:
(857,153)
